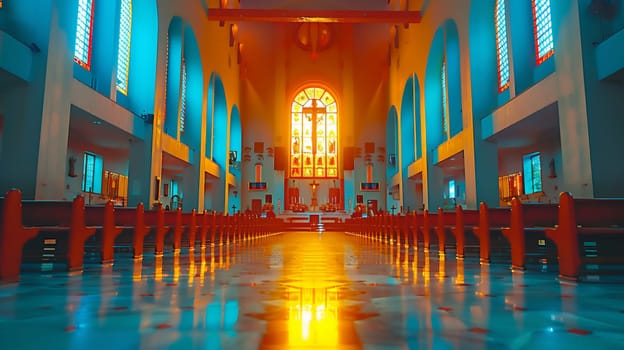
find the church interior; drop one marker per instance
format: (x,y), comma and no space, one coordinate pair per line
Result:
(351,174)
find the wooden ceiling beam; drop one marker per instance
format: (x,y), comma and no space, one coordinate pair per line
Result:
(326,16)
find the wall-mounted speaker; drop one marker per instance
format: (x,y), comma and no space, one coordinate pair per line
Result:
(347,156)
(280,159)
(258,147)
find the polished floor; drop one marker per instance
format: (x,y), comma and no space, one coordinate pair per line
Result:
(312,291)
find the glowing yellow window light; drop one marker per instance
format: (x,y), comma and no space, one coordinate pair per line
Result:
(314,135)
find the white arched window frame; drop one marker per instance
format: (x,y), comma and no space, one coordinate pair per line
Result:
(123,49)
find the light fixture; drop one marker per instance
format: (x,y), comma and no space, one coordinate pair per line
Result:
(233,33)
(233,157)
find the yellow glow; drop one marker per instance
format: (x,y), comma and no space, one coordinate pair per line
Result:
(441,268)
(212,264)
(176,268)
(137,270)
(203,267)
(460,272)
(158,268)
(312,283)
(313,317)
(192,268)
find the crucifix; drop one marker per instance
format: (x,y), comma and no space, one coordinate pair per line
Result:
(315,115)
(314,201)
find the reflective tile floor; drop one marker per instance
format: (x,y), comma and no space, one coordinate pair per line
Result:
(312,291)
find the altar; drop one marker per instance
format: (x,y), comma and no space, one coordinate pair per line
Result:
(315,195)
(313,217)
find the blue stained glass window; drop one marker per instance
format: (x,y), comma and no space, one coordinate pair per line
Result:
(84,26)
(92,173)
(532,170)
(502,49)
(445,107)
(544,45)
(451,188)
(183,97)
(123,53)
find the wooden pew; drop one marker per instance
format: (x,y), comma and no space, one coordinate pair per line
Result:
(428,223)
(491,222)
(415,222)
(13,235)
(445,221)
(61,219)
(192,224)
(173,221)
(528,222)
(590,231)
(133,220)
(103,219)
(155,219)
(465,221)
(203,221)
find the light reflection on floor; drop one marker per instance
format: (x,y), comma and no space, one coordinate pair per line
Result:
(305,290)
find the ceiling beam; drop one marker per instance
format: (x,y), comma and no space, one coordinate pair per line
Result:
(327,16)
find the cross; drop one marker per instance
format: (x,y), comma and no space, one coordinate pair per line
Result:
(314,185)
(314,112)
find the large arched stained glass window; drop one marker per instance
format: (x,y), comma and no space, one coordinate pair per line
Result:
(314,135)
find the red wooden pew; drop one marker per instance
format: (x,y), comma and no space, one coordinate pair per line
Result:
(173,220)
(590,231)
(13,235)
(61,219)
(465,221)
(528,222)
(192,224)
(428,223)
(155,219)
(491,222)
(133,219)
(445,220)
(103,219)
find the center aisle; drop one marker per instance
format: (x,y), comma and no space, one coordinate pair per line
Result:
(307,290)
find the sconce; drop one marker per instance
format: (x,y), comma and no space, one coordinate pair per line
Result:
(156,188)
(233,157)
(72,167)
(551,165)
(239,53)
(233,34)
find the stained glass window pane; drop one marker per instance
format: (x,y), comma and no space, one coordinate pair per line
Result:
(501,45)
(532,173)
(445,109)
(123,51)
(183,98)
(92,173)
(544,45)
(84,26)
(314,135)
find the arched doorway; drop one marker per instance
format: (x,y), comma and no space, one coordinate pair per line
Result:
(313,173)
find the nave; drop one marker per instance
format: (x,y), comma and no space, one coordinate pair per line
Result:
(307,290)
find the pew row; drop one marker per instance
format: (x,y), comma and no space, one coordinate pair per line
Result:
(590,235)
